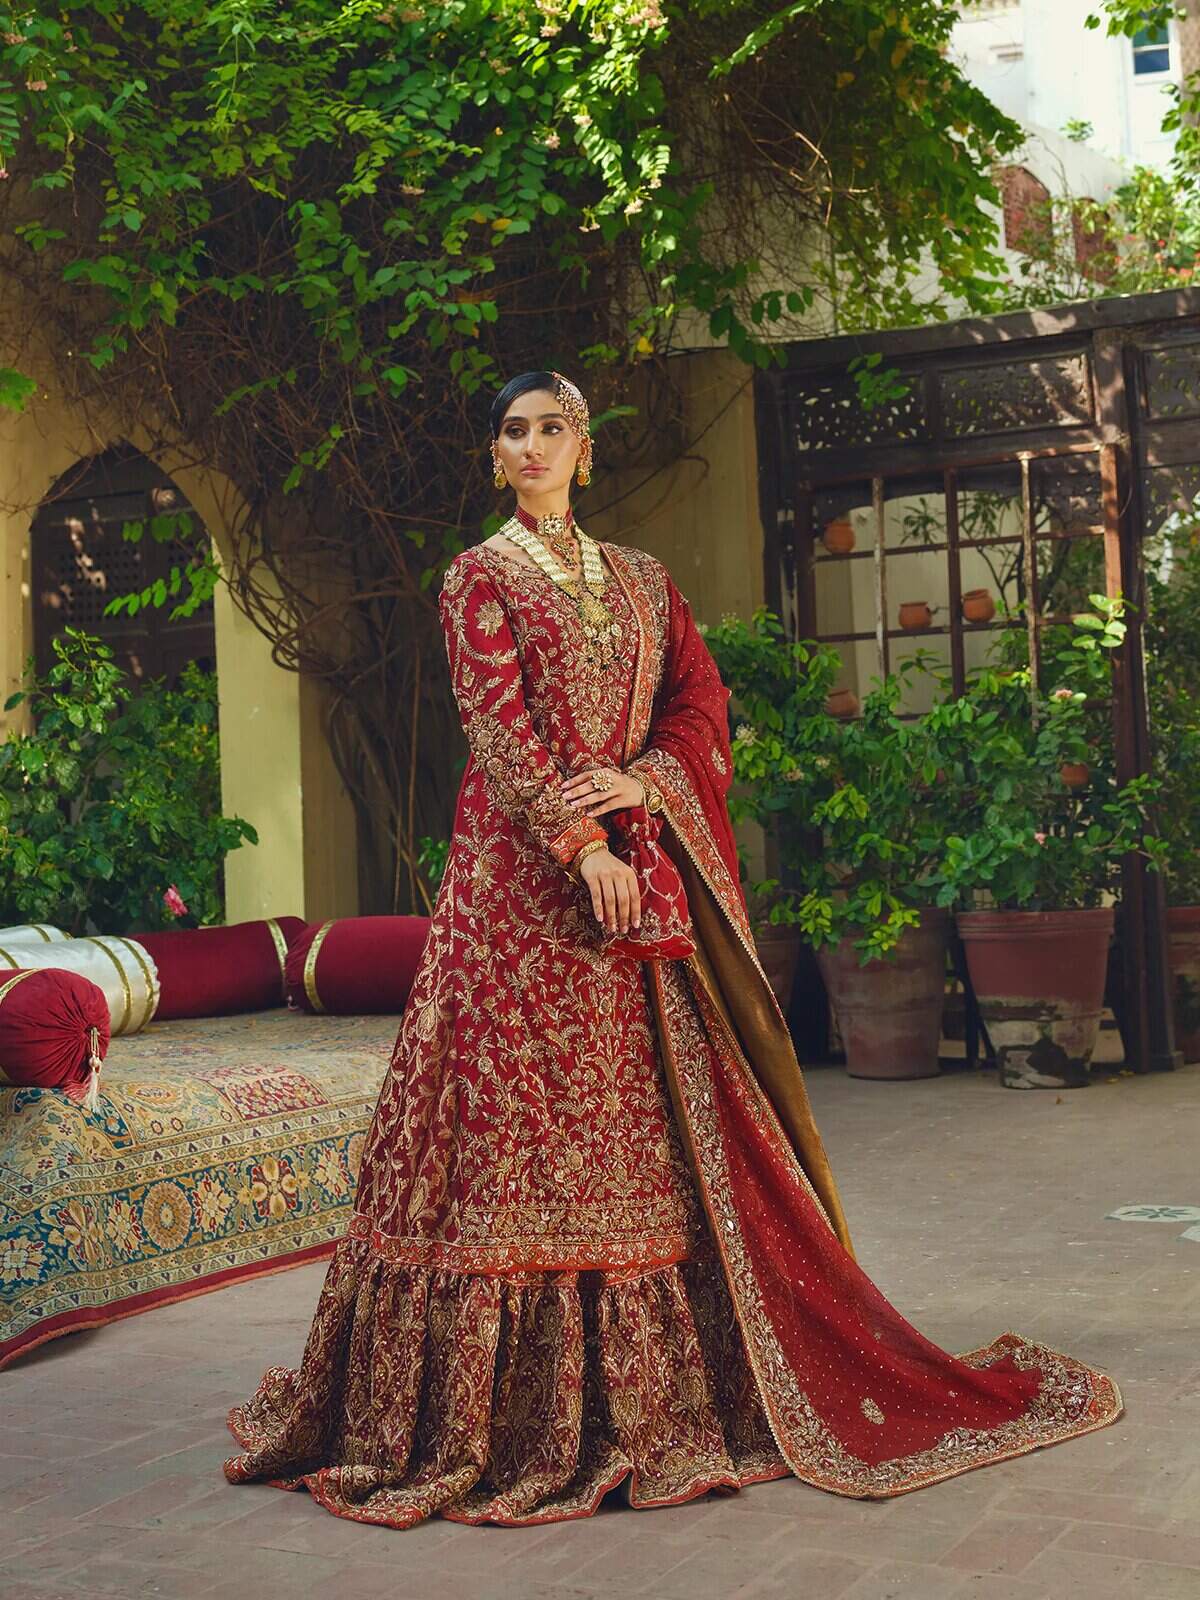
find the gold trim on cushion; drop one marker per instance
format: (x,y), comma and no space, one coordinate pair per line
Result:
(310,965)
(280,944)
(150,972)
(10,958)
(95,939)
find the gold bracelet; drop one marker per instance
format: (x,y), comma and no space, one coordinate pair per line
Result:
(583,852)
(651,798)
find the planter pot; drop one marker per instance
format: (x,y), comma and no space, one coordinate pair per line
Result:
(1183,941)
(842,703)
(1039,979)
(778,952)
(915,614)
(978,605)
(1075,774)
(889,1012)
(838,537)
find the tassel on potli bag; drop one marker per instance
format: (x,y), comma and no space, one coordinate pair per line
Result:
(91,1101)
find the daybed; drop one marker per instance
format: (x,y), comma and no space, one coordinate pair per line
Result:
(223,1147)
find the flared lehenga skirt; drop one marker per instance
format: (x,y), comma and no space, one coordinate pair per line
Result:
(521,1362)
(439,1387)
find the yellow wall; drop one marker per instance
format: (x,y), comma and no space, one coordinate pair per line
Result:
(276,770)
(699,515)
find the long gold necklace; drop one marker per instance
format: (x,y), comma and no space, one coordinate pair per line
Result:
(601,630)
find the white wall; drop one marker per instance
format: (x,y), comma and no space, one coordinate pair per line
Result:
(1041,65)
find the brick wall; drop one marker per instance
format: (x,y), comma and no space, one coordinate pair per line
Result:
(1027,225)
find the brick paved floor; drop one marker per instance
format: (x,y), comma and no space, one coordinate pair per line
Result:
(976,1209)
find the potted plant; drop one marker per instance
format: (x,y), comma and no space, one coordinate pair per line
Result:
(1044,851)
(857,839)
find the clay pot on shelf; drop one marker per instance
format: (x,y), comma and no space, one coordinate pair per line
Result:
(915,614)
(889,1012)
(1075,774)
(838,537)
(1039,979)
(842,703)
(978,605)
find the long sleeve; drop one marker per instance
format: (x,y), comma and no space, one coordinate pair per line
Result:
(485,674)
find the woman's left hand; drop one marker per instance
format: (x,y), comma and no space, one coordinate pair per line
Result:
(618,789)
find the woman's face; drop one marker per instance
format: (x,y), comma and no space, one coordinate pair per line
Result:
(537,449)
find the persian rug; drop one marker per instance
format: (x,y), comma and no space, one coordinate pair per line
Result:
(223,1148)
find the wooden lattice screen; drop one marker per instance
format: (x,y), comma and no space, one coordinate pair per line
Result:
(1041,448)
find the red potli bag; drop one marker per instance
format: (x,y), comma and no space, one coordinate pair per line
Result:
(54,1031)
(666,930)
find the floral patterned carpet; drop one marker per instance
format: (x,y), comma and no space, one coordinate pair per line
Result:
(223,1147)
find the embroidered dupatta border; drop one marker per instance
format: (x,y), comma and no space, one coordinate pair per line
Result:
(806,1442)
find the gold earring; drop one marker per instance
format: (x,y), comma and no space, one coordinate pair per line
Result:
(583,477)
(499,479)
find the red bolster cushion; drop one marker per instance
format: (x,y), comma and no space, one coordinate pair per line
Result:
(52,1024)
(214,972)
(355,965)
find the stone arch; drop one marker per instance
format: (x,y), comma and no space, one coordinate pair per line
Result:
(80,562)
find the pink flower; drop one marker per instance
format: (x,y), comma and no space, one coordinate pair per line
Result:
(1062,694)
(173,901)
(37,84)
(1040,837)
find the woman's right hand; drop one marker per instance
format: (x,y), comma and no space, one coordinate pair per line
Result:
(614,891)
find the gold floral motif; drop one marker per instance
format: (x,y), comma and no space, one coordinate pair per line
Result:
(510,1400)
(490,617)
(870,1410)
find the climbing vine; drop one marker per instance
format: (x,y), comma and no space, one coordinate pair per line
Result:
(305,242)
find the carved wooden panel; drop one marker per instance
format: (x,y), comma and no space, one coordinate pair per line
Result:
(997,398)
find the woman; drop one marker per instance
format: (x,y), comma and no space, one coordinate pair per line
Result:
(596,1240)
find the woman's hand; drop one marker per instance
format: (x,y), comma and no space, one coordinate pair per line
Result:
(614,891)
(618,789)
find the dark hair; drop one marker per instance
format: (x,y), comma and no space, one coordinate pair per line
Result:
(523,383)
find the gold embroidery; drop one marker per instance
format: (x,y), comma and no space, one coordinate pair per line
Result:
(490,617)
(871,1411)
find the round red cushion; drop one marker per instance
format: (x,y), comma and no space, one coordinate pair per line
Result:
(46,1020)
(353,965)
(214,972)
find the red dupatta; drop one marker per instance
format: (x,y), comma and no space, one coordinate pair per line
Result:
(859,1401)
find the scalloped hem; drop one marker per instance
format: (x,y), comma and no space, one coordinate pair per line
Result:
(427,1393)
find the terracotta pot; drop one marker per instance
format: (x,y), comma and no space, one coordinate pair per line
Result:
(838,537)
(1075,774)
(889,1012)
(915,614)
(1039,979)
(1183,944)
(778,952)
(978,605)
(842,703)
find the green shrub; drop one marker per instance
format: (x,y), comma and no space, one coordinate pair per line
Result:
(113,798)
